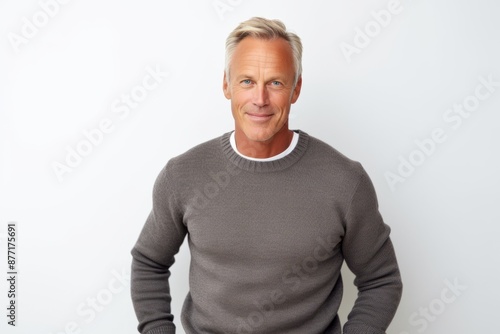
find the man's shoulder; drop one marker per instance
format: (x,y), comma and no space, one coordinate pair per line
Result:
(325,154)
(206,148)
(202,153)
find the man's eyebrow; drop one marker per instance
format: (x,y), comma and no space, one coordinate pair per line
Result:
(244,76)
(272,78)
(277,78)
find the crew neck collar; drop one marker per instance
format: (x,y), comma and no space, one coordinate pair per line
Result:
(265,166)
(293,143)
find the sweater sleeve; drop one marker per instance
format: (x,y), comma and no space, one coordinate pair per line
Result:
(153,255)
(369,254)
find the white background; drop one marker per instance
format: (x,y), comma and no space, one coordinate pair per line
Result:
(75,234)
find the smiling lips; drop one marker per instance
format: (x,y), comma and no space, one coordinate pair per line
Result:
(256,117)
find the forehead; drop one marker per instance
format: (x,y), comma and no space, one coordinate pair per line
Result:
(273,54)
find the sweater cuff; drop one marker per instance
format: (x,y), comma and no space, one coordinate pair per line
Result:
(361,329)
(162,330)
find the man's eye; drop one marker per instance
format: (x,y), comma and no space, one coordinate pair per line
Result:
(276,83)
(246,82)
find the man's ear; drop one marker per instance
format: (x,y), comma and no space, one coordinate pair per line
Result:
(225,88)
(296,90)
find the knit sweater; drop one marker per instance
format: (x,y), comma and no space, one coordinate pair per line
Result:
(267,242)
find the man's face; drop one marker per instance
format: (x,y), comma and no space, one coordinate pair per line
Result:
(261,87)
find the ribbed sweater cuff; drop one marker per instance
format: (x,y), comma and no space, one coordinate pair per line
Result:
(361,329)
(162,330)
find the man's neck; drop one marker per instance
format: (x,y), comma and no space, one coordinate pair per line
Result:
(263,149)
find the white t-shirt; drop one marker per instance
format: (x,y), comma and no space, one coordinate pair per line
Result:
(290,148)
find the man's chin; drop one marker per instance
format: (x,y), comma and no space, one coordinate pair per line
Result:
(259,136)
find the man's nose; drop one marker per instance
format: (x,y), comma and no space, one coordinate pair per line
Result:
(261,96)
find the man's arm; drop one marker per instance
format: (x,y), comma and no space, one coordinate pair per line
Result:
(369,253)
(153,254)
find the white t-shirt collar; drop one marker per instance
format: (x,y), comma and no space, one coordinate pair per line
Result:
(290,148)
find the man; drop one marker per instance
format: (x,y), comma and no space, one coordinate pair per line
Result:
(271,215)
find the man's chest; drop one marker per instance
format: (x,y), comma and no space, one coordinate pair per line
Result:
(266,220)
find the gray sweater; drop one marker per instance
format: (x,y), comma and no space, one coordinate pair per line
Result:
(267,241)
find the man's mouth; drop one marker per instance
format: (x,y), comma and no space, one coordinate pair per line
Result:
(259,117)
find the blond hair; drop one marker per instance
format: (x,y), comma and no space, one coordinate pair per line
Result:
(259,27)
